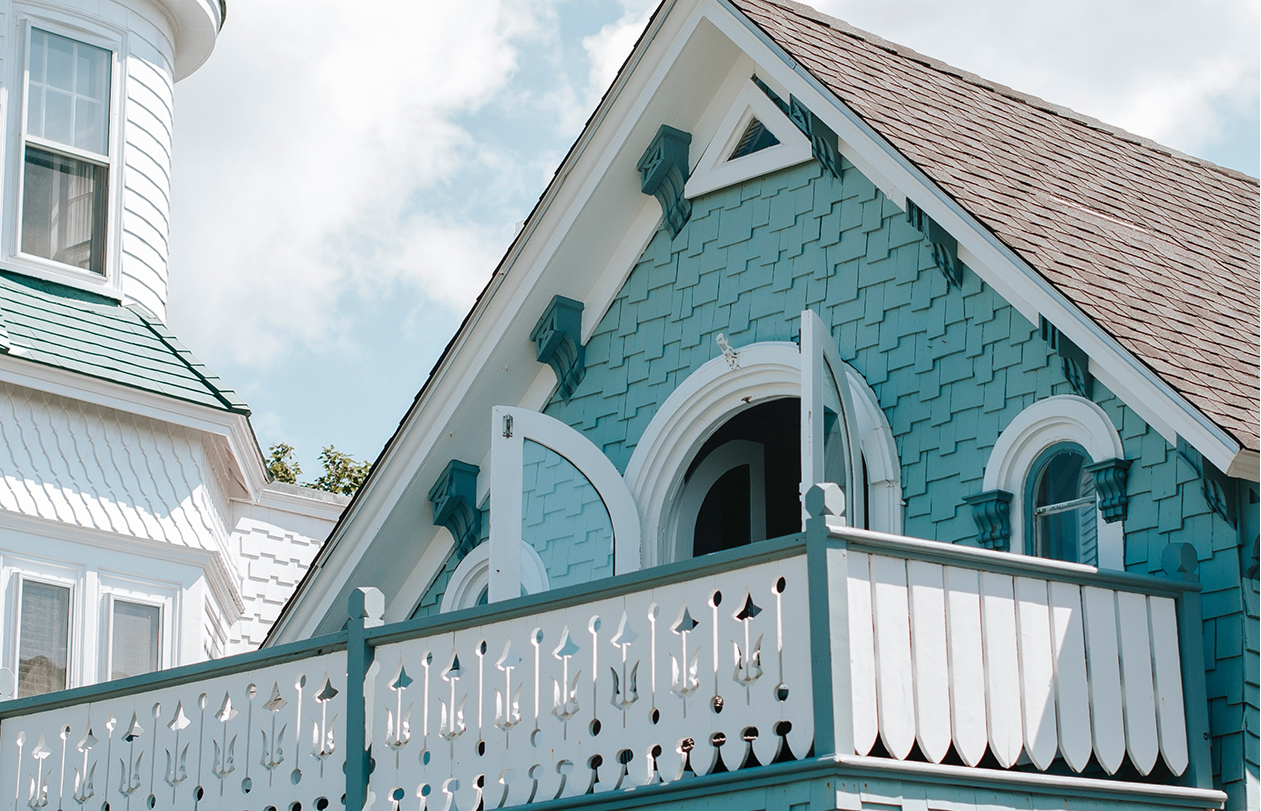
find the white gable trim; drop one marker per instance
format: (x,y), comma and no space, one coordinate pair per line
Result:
(716,169)
(1000,267)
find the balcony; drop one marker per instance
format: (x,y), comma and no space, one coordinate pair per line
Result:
(840,664)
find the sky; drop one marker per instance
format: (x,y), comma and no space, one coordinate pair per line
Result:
(345,182)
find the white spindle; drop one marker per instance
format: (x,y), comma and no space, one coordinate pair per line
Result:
(1037,675)
(1136,680)
(1002,668)
(1170,714)
(928,648)
(893,655)
(967,665)
(1103,666)
(1071,686)
(862,653)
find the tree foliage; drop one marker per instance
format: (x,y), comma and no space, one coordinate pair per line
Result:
(342,474)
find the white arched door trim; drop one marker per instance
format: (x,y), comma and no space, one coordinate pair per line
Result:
(510,428)
(714,393)
(721,461)
(473,574)
(1061,418)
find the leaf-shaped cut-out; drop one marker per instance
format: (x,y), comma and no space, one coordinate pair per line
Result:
(178,720)
(226,711)
(685,622)
(326,692)
(87,741)
(625,635)
(134,730)
(508,660)
(401,680)
(749,610)
(276,702)
(453,671)
(567,646)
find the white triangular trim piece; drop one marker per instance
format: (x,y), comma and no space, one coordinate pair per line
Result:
(716,169)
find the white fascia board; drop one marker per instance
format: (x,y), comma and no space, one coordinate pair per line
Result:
(234,429)
(431,562)
(223,586)
(542,235)
(312,506)
(998,265)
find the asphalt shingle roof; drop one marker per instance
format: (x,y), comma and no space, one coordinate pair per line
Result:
(1158,248)
(80,332)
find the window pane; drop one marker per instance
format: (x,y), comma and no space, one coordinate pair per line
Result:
(63,210)
(137,630)
(44,645)
(72,79)
(1062,532)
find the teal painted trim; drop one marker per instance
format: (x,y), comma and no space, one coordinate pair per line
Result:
(725,561)
(1111,477)
(1075,363)
(991,511)
(827,573)
(945,246)
(984,233)
(558,340)
(878,543)
(454,497)
(365,606)
(266,657)
(1179,562)
(663,172)
(825,146)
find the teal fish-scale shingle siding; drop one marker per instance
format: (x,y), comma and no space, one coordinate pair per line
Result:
(950,367)
(79,332)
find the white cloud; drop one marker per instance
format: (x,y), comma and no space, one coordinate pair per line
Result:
(315,127)
(608,48)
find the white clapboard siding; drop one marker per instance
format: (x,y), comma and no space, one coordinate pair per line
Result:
(862,653)
(1002,667)
(1136,681)
(1037,676)
(1071,687)
(928,647)
(1103,666)
(895,693)
(967,667)
(1167,668)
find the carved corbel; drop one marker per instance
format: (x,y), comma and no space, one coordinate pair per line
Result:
(558,338)
(945,247)
(1111,477)
(663,172)
(1074,361)
(991,511)
(454,498)
(1219,491)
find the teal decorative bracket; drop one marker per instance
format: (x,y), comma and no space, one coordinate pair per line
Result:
(558,337)
(1074,362)
(663,171)
(454,498)
(991,511)
(824,143)
(1111,477)
(945,247)
(1219,491)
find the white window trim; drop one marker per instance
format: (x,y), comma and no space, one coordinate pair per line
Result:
(114,587)
(102,35)
(62,577)
(715,392)
(1058,419)
(721,461)
(473,574)
(507,455)
(716,169)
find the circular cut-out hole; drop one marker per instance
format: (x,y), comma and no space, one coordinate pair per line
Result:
(246,785)
(782,728)
(105,806)
(295,776)
(534,737)
(715,599)
(398,794)
(594,762)
(687,745)
(594,726)
(718,739)
(749,733)
(481,748)
(295,806)
(480,781)
(321,803)
(625,756)
(780,585)
(655,715)
(270,808)
(715,704)
(424,757)
(781,692)
(198,793)
(152,801)
(656,750)
(482,647)
(425,789)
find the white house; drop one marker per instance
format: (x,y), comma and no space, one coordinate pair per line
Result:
(138,528)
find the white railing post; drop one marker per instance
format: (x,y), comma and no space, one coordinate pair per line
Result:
(827,580)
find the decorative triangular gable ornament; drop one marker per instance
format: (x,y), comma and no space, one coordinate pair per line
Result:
(718,169)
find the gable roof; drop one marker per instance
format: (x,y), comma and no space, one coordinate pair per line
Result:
(75,331)
(1158,248)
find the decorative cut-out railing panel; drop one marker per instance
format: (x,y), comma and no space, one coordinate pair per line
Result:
(269,738)
(694,677)
(992,654)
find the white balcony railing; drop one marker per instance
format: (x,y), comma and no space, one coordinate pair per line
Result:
(732,662)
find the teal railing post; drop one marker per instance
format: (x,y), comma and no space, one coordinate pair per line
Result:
(1180,562)
(366,607)
(827,580)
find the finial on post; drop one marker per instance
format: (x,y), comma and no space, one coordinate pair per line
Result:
(825,504)
(366,603)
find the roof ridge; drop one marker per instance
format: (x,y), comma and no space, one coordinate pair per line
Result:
(212,381)
(813,14)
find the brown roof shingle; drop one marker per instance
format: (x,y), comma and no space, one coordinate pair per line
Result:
(1158,248)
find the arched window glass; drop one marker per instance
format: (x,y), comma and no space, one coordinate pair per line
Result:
(1062,496)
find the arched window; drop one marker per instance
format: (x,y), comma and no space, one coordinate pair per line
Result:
(1061,493)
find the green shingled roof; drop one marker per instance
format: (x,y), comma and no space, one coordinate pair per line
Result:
(82,332)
